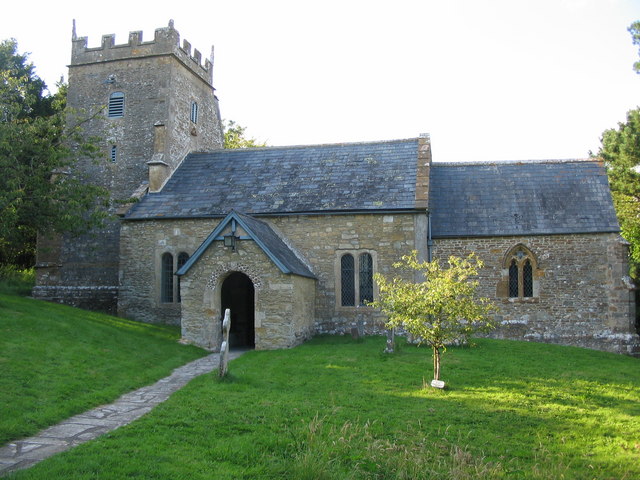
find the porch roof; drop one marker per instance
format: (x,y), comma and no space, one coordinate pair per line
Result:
(272,244)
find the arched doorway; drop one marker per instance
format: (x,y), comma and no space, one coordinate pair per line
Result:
(238,295)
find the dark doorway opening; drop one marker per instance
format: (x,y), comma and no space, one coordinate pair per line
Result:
(238,296)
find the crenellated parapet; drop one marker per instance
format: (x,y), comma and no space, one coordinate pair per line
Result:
(166,41)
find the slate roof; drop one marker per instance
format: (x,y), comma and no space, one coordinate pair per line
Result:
(266,238)
(520,198)
(318,178)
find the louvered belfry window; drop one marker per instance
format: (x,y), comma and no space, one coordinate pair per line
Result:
(116,105)
(347,277)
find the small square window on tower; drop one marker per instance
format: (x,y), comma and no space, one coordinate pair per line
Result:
(194,112)
(116,105)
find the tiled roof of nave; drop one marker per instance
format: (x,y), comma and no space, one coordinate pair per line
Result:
(317,178)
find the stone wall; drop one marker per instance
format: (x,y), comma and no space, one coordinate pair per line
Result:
(324,238)
(160,80)
(321,239)
(581,297)
(283,302)
(100,298)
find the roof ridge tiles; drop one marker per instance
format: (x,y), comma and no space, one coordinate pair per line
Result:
(301,147)
(513,162)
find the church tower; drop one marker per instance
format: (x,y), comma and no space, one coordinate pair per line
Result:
(149,104)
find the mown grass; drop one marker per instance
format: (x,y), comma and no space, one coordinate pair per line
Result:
(338,409)
(57,361)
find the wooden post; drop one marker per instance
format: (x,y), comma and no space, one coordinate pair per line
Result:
(391,340)
(224,348)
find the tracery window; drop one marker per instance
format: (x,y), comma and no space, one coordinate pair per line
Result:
(366,278)
(116,105)
(521,264)
(347,274)
(355,284)
(166,278)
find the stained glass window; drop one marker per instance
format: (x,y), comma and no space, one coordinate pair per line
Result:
(366,278)
(527,279)
(513,279)
(167,278)
(521,272)
(347,274)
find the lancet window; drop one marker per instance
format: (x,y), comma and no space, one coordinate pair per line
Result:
(521,265)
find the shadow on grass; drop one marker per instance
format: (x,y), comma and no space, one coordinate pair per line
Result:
(334,408)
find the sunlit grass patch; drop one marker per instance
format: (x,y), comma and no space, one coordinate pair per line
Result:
(337,409)
(57,361)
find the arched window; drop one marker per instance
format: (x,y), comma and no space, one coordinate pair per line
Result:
(521,265)
(347,276)
(116,105)
(527,279)
(366,278)
(513,279)
(194,112)
(182,259)
(354,286)
(166,278)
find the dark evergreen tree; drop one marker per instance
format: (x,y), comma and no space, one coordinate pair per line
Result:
(38,191)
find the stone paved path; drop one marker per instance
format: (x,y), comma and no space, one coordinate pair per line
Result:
(89,425)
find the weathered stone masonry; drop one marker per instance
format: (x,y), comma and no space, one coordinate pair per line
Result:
(582,297)
(160,80)
(302,220)
(322,238)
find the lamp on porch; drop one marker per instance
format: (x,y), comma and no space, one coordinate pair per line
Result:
(230,241)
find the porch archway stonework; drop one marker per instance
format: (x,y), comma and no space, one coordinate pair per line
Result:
(222,271)
(212,299)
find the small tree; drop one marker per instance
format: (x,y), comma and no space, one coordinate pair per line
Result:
(442,309)
(234,136)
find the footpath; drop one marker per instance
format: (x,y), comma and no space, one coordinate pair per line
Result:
(89,425)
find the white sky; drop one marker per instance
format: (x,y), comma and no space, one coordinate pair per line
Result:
(488,79)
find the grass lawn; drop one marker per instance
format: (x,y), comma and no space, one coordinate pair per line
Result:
(335,408)
(57,361)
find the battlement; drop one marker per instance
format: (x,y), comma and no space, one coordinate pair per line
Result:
(166,41)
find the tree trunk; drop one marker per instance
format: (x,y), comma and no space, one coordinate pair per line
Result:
(436,363)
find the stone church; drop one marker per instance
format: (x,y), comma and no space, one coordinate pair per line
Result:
(289,238)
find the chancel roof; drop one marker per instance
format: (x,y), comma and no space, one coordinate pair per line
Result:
(319,178)
(520,198)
